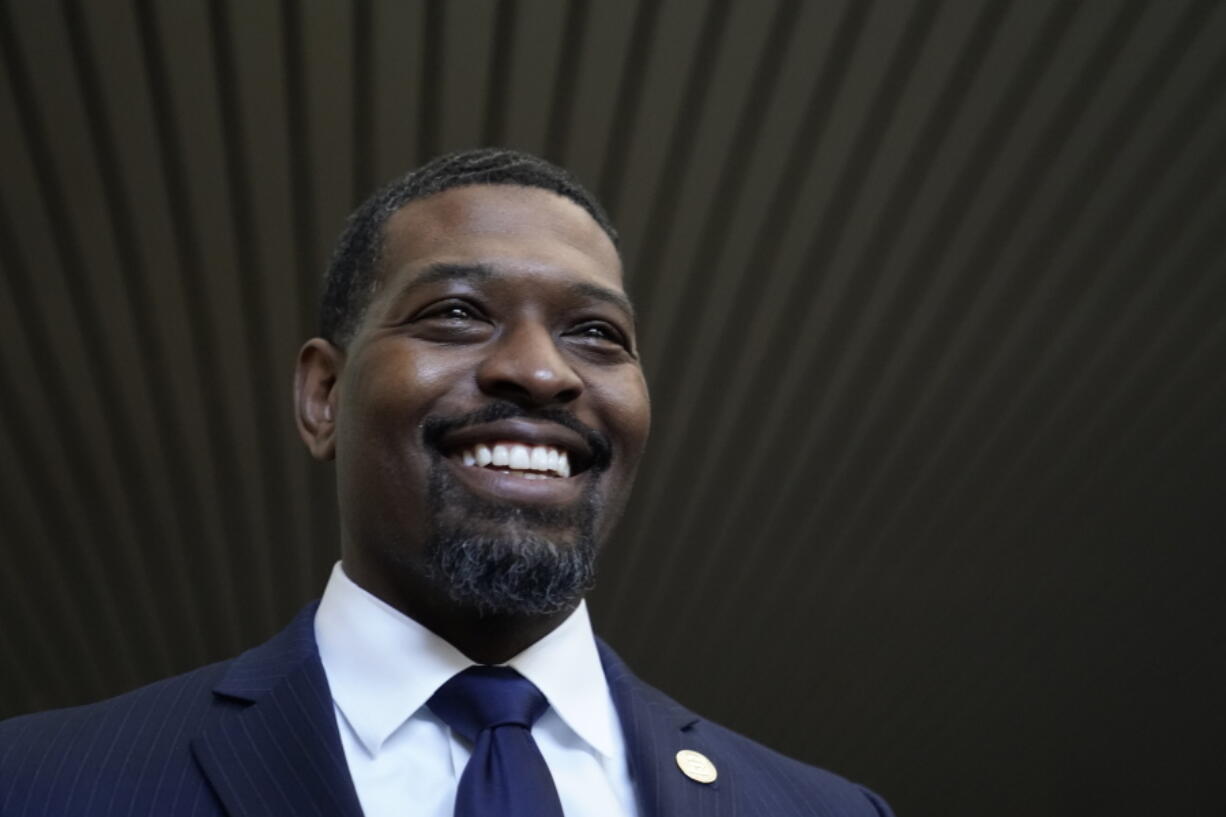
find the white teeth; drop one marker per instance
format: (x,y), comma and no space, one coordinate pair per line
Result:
(533,462)
(521,458)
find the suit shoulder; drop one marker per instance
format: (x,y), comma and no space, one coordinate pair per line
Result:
(755,778)
(786,778)
(130,754)
(148,719)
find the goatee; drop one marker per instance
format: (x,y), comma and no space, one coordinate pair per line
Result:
(509,560)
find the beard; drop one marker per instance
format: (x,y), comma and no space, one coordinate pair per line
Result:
(510,560)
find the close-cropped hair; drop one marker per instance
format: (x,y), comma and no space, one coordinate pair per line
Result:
(353,270)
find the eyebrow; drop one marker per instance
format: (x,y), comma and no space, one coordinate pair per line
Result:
(435,273)
(450,272)
(607,295)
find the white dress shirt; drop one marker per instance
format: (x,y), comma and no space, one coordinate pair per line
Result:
(383,666)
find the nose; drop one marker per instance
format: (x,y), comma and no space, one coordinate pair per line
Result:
(526,367)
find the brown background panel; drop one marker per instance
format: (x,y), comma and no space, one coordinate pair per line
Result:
(933,309)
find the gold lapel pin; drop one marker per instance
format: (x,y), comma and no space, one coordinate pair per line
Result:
(696,766)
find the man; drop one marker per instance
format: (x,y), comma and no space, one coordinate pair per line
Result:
(477,383)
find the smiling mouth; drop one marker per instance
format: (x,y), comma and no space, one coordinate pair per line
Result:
(525,461)
(520,459)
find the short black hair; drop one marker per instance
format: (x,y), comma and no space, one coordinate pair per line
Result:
(351,276)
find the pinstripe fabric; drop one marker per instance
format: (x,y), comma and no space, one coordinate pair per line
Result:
(753,781)
(125,756)
(257,736)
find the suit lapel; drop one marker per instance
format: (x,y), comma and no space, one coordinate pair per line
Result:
(655,729)
(273,747)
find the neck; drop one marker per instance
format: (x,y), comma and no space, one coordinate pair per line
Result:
(485,638)
(495,639)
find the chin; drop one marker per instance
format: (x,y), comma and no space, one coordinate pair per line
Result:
(502,559)
(511,575)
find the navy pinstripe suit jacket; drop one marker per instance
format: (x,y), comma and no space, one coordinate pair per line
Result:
(257,736)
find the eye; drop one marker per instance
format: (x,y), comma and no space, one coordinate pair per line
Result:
(451,321)
(601,333)
(450,311)
(596,331)
(454,312)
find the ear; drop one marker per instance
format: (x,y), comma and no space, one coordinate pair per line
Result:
(315,396)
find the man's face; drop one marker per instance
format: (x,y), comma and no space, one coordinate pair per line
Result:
(490,405)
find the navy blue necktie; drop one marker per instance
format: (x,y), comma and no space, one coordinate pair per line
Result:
(494,709)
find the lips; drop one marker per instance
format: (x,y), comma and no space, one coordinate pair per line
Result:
(520,460)
(531,462)
(521,445)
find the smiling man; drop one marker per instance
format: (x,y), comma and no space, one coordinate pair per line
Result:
(483,399)
(477,382)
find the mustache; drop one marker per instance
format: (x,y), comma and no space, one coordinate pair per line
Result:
(434,428)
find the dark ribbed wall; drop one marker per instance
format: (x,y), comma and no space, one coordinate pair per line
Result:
(933,298)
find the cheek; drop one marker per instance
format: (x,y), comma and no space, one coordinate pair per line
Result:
(397,387)
(628,412)
(378,418)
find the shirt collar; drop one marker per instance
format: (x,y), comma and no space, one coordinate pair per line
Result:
(566,668)
(382,667)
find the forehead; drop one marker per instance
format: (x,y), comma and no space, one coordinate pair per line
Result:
(507,227)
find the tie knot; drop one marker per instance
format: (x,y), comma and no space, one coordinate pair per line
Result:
(481,698)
